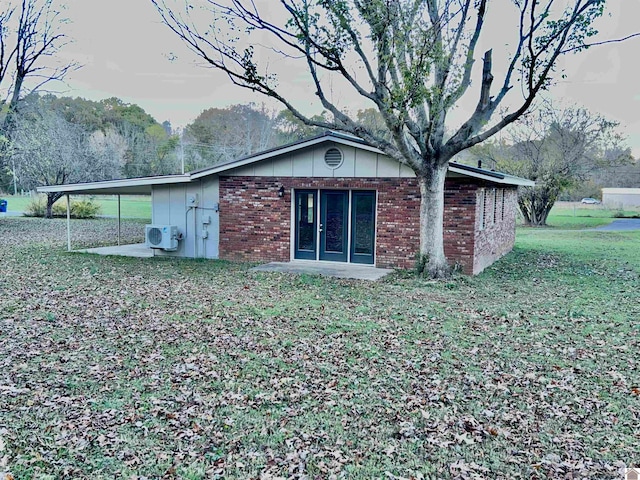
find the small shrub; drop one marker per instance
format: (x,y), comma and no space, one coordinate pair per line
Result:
(60,209)
(421,263)
(37,207)
(79,208)
(84,209)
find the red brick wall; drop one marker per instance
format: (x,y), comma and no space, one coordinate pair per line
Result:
(459,222)
(496,237)
(255,222)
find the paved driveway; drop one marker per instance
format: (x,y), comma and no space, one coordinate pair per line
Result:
(621,225)
(10,214)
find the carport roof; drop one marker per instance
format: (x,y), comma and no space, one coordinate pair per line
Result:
(128,186)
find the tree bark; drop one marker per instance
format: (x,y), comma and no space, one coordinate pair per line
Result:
(51,199)
(432,262)
(535,204)
(8,122)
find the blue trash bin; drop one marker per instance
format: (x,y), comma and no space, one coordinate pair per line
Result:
(3,206)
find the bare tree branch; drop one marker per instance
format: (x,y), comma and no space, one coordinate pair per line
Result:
(37,37)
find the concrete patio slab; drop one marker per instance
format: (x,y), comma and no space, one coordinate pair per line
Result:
(139,250)
(330,269)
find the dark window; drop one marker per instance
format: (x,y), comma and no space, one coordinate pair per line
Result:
(481,201)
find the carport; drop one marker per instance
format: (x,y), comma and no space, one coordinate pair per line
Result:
(129,186)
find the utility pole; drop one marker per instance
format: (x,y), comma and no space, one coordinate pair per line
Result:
(15,178)
(182,153)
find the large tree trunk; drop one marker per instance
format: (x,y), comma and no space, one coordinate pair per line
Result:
(432,261)
(9,118)
(535,204)
(51,199)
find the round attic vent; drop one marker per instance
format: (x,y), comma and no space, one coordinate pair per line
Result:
(155,236)
(333,158)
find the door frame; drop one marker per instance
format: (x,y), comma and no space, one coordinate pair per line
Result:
(298,254)
(293,223)
(362,258)
(334,256)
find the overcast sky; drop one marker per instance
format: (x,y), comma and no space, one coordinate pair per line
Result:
(125,52)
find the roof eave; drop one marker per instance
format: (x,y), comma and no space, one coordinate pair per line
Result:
(493,177)
(115,185)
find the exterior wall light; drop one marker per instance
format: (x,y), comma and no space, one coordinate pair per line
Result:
(281,192)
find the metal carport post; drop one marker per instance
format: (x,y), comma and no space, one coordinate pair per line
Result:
(118,219)
(68,223)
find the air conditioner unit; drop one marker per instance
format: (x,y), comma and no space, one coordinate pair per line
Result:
(164,237)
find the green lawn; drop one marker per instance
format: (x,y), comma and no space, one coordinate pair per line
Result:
(159,368)
(131,206)
(574,215)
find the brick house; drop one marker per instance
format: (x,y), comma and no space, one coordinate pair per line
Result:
(328,198)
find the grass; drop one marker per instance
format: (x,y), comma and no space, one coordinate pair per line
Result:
(131,206)
(119,367)
(574,215)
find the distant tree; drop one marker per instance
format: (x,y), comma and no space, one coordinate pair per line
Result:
(48,150)
(413,61)
(291,128)
(222,134)
(118,112)
(164,146)
(622,176)
(88,113)
(558,148)
(31,39)
(373,120)
(167,127)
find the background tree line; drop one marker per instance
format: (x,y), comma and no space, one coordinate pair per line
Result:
(568,151)
(57,140)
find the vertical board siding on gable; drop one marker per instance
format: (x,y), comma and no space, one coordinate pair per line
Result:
(263,169)
(310,162)
(387,167)
(302,163)
(255,222)
(365,164)
(283,166)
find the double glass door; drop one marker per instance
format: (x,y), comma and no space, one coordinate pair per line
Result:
(335,225)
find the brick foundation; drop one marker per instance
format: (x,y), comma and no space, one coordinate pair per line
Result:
(255,222)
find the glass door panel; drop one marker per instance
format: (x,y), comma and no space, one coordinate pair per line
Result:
(306,225)
(334,205)
(363,224)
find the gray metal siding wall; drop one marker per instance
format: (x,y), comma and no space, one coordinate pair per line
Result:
(621,199)
(169,207)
